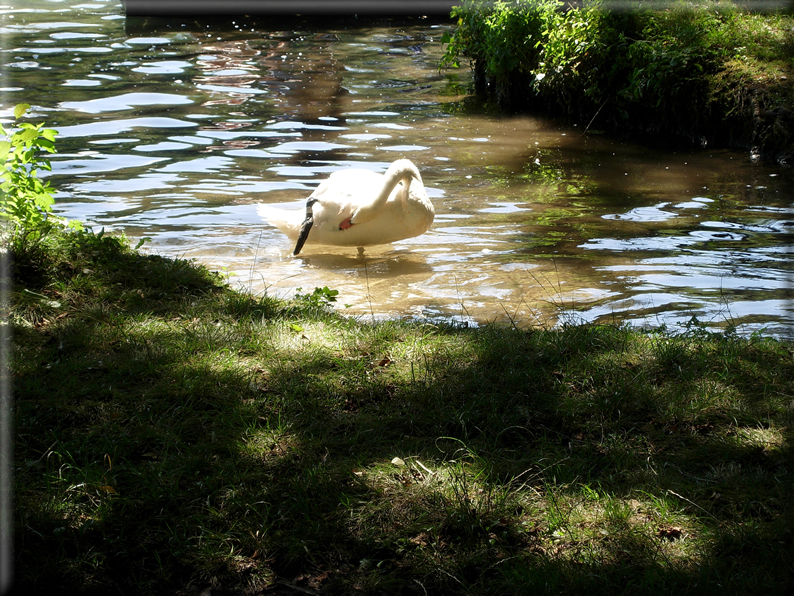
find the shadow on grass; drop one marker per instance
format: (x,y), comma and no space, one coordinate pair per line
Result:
(175,437)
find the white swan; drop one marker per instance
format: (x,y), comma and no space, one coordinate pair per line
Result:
(359,208)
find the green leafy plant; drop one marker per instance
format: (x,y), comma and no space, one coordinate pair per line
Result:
(319,298)
(25,201)
(505,36)
(651,68)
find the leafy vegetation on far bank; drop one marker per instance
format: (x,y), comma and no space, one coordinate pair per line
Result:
(173,435)
(707,70)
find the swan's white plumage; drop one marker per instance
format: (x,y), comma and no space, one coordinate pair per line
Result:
(361,208)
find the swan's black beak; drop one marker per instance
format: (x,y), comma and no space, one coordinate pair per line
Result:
(305,227)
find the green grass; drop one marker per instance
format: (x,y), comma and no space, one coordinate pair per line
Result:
(174,435)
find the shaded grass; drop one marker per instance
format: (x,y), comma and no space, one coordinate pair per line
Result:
(174,435)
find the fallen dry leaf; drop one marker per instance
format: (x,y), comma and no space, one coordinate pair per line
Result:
(671,533)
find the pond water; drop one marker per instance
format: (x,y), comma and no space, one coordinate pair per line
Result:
(175,129)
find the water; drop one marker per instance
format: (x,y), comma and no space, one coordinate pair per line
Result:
(173,130)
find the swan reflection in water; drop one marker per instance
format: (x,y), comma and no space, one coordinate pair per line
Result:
(379,265)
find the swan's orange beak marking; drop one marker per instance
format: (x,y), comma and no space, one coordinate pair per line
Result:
(346,224)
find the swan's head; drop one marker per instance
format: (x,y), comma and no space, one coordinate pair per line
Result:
(404,168)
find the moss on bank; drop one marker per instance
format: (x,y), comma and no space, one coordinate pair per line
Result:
(704,70)
(176,437)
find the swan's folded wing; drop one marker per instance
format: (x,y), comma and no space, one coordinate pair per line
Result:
(286,220)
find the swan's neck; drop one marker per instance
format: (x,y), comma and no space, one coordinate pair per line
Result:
(401,170)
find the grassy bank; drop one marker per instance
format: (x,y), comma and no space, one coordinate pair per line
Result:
(708,71)
(174,435)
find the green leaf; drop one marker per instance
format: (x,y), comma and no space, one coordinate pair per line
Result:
(142,241)
(20,109)
(27,135)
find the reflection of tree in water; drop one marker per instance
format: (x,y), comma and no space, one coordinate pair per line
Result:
(300,78)
(311,81)
(226,66)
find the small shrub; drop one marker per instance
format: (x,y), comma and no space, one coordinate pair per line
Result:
(25,201)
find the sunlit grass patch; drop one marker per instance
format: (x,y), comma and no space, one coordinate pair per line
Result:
(762,437)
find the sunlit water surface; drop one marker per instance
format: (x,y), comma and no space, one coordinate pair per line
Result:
(173,130)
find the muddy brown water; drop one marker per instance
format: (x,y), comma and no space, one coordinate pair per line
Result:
(173,130)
